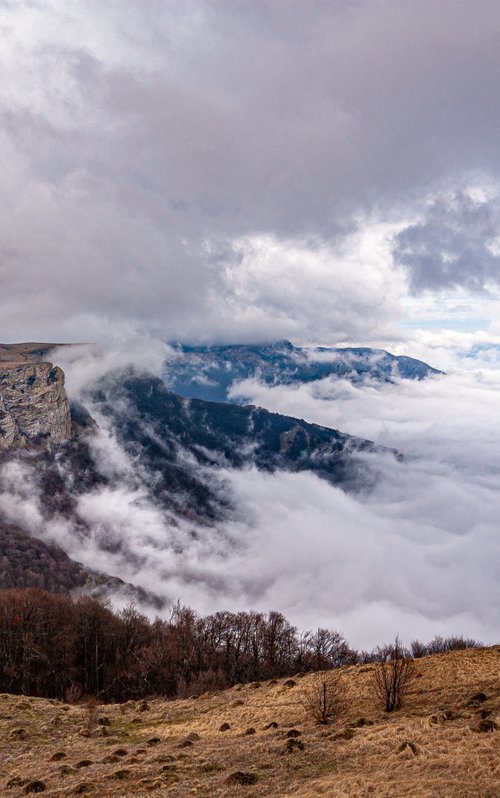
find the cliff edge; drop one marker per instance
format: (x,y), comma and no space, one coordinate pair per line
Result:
(34,407)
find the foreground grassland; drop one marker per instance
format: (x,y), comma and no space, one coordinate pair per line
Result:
(444,743)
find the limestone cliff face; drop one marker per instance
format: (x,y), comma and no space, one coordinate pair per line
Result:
(34,407)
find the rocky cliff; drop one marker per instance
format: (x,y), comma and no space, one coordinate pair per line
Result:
(34,407)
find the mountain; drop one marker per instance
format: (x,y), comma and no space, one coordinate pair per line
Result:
(208,372)
(179,437)
(178,448)
(170,455)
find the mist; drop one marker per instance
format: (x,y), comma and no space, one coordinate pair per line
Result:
(416,553)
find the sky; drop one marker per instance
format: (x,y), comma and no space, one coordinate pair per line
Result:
(251,170)
(323,171)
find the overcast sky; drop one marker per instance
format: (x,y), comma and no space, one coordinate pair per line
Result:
(322,170)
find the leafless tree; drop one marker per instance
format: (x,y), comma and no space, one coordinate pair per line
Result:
(325,696)
(393,678)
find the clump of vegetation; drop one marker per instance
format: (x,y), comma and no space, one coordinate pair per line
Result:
(15,781)
(120,775)
(35,786)
(324,697)
(83,788)
(293,745)
(487,725)
(477,699)
(345,734)
(18,734)
(242,777)
(66,770)
(393,678)
(213,767)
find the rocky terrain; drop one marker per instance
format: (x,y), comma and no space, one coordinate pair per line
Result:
(259,739)
(34,407)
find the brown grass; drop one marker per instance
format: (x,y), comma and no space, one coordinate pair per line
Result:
(20,354)
(431,747)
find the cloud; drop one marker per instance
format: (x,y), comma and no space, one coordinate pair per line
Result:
(151,148)
(456,245)
(122,349)
(416,553)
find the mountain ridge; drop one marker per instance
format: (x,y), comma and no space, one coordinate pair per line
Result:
(177,449)
(208,372)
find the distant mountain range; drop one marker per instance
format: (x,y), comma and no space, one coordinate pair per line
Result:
(208,372)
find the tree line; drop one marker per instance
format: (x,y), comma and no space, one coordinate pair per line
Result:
(65,647)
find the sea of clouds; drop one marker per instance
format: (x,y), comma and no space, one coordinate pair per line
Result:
(416,554)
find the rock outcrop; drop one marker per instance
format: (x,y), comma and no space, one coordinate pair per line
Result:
(34,407)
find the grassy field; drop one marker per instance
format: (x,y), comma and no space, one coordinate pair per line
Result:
(432,746)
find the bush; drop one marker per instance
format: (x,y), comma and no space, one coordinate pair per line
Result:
(325,697)
(393,678)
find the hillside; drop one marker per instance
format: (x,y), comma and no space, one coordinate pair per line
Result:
(433,746)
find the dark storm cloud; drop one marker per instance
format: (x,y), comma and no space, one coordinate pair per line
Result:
(140,140)
(454,245)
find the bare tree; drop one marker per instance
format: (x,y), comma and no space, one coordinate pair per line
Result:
(325,696)
(393,678)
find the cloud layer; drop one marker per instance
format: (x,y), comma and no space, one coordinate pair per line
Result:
(151,152)
(416,553)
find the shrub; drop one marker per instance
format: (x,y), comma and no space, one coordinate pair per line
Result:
(393,678)
(325,697)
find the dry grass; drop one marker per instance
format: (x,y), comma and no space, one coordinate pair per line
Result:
(20,354)
(428,748)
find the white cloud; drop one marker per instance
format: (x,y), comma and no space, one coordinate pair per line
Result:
(416,554)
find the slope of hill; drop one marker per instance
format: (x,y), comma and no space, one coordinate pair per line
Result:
(444,742)
(208,372)
(27,562)
(157,426)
